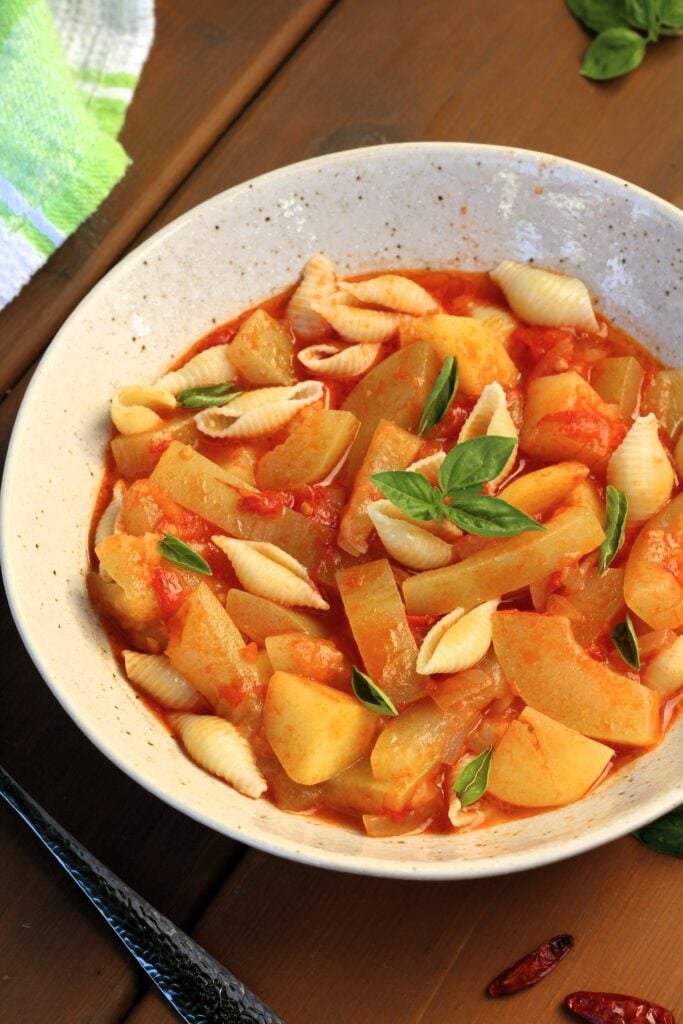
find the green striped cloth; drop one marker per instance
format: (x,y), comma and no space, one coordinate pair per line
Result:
(68,69)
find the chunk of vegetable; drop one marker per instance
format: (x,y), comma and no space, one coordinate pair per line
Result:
(538,492)
(617,380)
(663,395)
(424,735)
(309,656)
(357,791)
(540,763)
(263,350)
(259,618)
(315,731)
(654,570)
(599,604)
(664,673)
(318,440)
(555,676)
(136,455)
(130,562)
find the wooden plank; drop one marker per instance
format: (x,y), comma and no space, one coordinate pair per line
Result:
(208,60)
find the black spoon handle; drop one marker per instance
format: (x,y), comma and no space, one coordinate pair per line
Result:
(200,989)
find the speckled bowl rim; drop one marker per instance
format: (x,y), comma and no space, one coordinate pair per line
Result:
(505,863)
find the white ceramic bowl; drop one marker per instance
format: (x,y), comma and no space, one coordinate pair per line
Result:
(414,205)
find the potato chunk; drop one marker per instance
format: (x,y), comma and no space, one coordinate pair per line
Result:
(540,763)
(316,444)
(505,566)
(541,659)
(136,455)
(654,570)
(309,656)
(315,731)
(259,618)
(263,350)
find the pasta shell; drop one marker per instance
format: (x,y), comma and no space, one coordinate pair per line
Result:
(339,361)
(457,641)
(360,325)
(132,408)
(109,520)
(405,541)
(393,292)
(641,469)
(490,418)
(664,672)
(155,676)
(267,571)
(218,747)
(500,323)
(260,412)
(212,366)
(544,298)
(318,285)
(428,466)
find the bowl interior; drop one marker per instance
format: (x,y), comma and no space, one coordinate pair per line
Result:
(415,205)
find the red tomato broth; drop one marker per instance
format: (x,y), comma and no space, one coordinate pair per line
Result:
(537,352)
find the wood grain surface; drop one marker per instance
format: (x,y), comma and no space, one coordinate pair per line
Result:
(228,94)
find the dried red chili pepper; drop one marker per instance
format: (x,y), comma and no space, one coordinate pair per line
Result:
(532,967)
(608,1008)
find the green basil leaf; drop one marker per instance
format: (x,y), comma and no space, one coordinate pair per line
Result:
(369,694)
(441,396)
(645,15)
(626,642)
(613,53)
(664,835)
(672,14)
(489,517)
(176,551)
(598,15)
(411,492)
(473,780)
(474,462)
(205,397)
(615,527)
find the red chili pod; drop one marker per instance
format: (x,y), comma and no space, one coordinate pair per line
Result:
(608,1008)
(532,967)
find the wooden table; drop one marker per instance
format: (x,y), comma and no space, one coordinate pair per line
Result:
(232,90)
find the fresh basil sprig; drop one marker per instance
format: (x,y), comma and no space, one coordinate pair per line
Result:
(208,396)
(473,780)
(369,694)
(441,396)
(615,526)
(620,44)
(461,475)
(664,835)
(177,551)
(626,642)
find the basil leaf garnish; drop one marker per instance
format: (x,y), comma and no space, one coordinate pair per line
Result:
(671,15)
(489,517)
(626,642)
(411,492)
(614,52)
(474,462)
(645,15)
(664,835)
(176,551)
(599,14)
(473,780)
(441,396)
(369,694)
(615,526)
(211,395)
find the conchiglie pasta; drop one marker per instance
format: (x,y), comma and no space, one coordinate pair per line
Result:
(457,641)
(340,361)
(256,413)
(110,522)
(544,298)
(212,366)
(641,469)
(393,292)
(664,673)
(405,540)
(133,408)
(267,571)
(490,418)
(318,285)
(428,466)
(219,748)
(500,323)
(156,677)
(368,326)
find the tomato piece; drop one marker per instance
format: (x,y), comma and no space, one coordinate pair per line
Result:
(169,590)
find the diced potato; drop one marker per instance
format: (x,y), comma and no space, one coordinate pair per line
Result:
(258,618)
(540,491)
(380,628)
(200,485)
(263,350)
(586,495)
(555,676)
(396,390)
(481,357)
(617,380)
(425,735)
(309,656)
(150,637)
(136,455)
(147,509)
(239,462)
(654,570)
(663,396)
(540,763)
(206,648)
(664,673)
(564,418)
(357,791)
(390,447)
(599,604)
(315,731)
(131,561)
(318,440)
(505,566)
